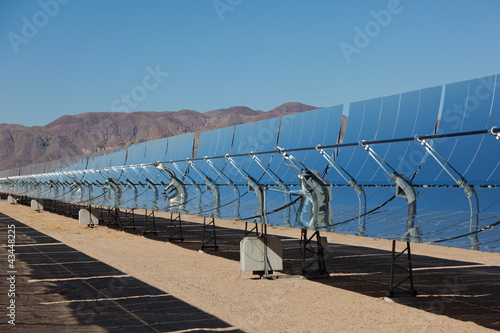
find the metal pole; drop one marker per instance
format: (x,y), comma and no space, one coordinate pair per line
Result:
(263,190)
(391,283)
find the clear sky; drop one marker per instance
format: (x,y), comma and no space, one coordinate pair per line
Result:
(62,57)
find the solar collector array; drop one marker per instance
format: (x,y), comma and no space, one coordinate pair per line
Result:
(218,187)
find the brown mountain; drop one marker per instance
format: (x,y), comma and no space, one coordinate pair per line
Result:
(23,145)
(96,131)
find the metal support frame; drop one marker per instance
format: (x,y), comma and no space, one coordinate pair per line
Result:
(57,207)
(360,192)
(263,213)
(114,217)
(134,188)
(254,228)
(129,217)
(285,189)
(210,186)
(150,185)
(253,186)
(404,189)
(228,181)
(175,229)
(209,235)
(149,222)
(461,182)
(101,215)
(90,224)
(496,132)
(317,254)
(117,188)
(20,199)
(193,183)
(393,285)
(316,190)
(175,191)
(109,215)
(67,209)
(73,210)
(70,209)
(75,184)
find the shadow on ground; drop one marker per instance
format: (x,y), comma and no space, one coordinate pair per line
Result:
(458,289)
(462,290)
(61,289)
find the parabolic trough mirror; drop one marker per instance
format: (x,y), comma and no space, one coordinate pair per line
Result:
(420,166)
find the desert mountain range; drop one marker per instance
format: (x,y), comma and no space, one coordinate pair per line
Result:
(95,131)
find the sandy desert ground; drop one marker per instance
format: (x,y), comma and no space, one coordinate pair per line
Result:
(72,278)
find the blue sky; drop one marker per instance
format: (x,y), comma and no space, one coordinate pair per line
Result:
(67,57)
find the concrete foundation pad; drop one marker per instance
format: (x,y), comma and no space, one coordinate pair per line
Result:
(36,205)
(85,217)
(11,200)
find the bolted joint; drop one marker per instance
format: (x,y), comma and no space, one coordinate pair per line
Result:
(363,144)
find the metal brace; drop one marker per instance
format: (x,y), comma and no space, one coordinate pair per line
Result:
(317,254)
(496,132)
(229,182)
(116,187)
(253,186)
(461,182)
(212,187)
(152,186)
(179,198)
(177,201)
(208,235)
(134,188)
(314,189)
(149,222)
(404,189)
(360,192)
(409,273)
(55,187)
(279,182)
(193,183)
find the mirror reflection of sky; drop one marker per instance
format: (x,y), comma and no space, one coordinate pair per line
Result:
(453,180)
